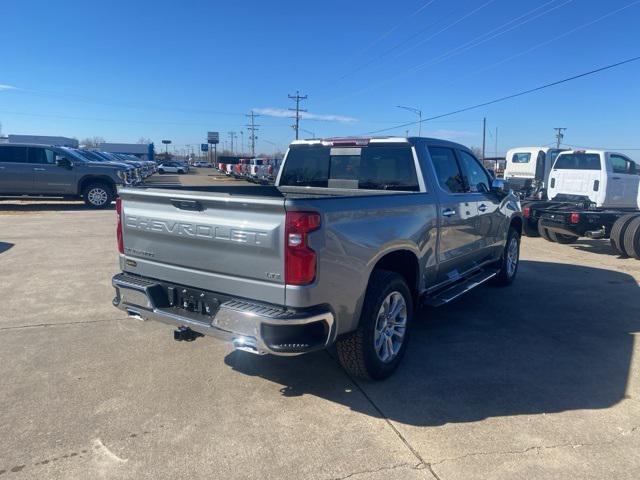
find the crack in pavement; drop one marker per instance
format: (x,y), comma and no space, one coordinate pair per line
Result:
(44,325)
(538,448)
(421,462)
(376,470)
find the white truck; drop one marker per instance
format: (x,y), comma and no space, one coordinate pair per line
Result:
(527,170)
(595,194)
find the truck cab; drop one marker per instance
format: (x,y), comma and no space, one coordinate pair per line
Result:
(527,170)
(608,179)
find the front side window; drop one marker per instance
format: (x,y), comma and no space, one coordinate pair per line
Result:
(13,154)
(521,157)
(447,169)
(375,167)
(620,164)
(477,178)
(577,161)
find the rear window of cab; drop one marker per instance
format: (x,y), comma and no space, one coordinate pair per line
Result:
(577,161)
(374,167)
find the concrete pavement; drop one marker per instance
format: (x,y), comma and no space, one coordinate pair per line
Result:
(539,380)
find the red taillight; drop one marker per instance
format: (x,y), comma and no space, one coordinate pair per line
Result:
(300,259)
(574,218)
(526,212)
(119,227)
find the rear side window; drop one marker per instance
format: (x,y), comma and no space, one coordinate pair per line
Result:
(578,161)
(41,156)
(619,164)
(13,154)
(447,169)
(376,167)
(521,157)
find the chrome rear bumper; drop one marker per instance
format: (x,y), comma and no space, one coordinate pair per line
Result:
(255,328)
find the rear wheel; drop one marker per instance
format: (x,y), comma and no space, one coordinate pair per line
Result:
(546,234)
(376,348)
(510,259)
(98,195)
(160,171)
(632,239)
(566,239)
(618,232)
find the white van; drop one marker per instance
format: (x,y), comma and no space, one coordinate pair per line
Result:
(609,179)
(527,169)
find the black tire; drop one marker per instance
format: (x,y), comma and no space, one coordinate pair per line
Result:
(616,237)
(507,274)
(160,171)
(98,195)
(546,234)
(356,350)
(565,239)
(632,239)
(180,171)
(529,229)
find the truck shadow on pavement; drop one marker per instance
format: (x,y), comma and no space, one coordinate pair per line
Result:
(560,338)
(594,246)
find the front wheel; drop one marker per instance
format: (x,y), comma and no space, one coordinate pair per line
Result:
(376,348)
(180,171)
(510,259)
(160,171)
(546,234)
(98,195)
(566,239)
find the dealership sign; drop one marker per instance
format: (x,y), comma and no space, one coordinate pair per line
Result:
(213,137)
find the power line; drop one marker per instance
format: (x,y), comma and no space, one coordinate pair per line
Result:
(554,39)
(395,27)
(297,97)
(477,41)
(508,97)
(604,148)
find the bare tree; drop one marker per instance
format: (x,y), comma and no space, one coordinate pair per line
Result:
(92,141)
(144,141)
(477,151)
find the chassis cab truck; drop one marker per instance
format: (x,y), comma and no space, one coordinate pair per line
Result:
(527,170)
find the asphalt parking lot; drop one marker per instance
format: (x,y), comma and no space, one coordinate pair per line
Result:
(536,381)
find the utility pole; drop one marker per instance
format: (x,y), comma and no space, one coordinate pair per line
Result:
(559,135)
(496,150)
(484,135)
(418,112)
(297,97)
(232,136)
(253,128)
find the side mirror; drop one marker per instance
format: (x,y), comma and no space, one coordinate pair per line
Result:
(499,186)
(64,162)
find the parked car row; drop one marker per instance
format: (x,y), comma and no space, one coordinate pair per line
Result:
(590,193)
(49,170)
(260,170)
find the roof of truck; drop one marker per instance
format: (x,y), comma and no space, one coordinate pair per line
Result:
(364,141)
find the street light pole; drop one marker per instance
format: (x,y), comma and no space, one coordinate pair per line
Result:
(418,112)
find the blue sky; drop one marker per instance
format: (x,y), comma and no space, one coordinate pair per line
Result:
(165,69)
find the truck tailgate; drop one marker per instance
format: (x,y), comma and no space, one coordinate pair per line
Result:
(231,244)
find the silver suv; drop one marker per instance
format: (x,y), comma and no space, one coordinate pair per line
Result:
(44,170)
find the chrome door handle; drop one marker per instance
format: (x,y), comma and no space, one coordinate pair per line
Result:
(448,213)
(482,208)
(38,169)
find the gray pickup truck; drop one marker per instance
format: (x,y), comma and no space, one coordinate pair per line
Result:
(353,237)
(53,171)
